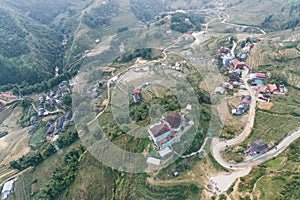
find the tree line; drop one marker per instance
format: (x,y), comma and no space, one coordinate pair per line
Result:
(36,158)
(64,175)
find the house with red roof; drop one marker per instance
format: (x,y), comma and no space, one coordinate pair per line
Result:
(273,88)
(137,90)
(7,98)
(239,65)
(260,75)
(137,97)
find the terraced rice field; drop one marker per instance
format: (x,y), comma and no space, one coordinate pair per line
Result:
(5,113)
(22,188)
(5,173)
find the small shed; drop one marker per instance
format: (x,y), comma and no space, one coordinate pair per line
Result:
(164,152)
(234,112)
(2,134)
(59,123)
(188,107)
(69,115)
(273,88)
(260,75)
(175,174)
(50,129)
(220,90)
(240,111)
(114,79)
(33,119)
(153,161)
(137,90)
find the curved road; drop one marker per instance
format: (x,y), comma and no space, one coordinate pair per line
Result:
(218,146)
(224,21)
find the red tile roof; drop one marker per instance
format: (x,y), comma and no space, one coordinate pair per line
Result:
(246,101)
(174,119)
(159,129)
(3,102)
(137,90)
(8,96)
(260,75)
(239,65)
(272,88)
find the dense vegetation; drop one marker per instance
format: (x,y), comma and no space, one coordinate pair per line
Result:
(11,43)
(63,176)
(140,112)
(22,60)
(24,162)
(146,53)
(101,15)
(290,190)
(146,10)
(67,139)
(34,159)
(47,11)
(183,22)
(30,46)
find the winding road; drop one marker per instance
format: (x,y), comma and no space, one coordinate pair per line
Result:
(218,146)
(224,21)
(223,181)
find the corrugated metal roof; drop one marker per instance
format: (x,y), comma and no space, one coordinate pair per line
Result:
(8,186)
(153,161)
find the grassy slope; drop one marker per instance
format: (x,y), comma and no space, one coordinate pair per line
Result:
(253,12)
(96,181)
(41,174)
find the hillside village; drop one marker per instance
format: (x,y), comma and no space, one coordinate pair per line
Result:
(261,83)
(230,164)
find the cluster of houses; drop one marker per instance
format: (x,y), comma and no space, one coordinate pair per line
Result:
(235,68)
(244,106)
(53,98)
(258,84)
(6,99)
(257,147)
(55,127)
(234,77)
(242,56)
(238,61)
